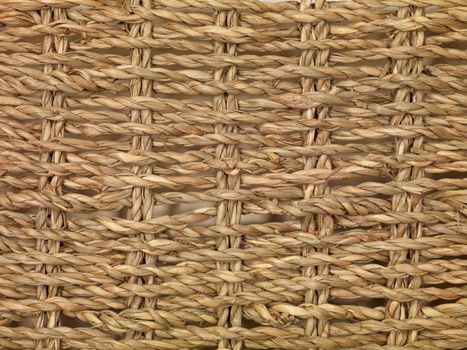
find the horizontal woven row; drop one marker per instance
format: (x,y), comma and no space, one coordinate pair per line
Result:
(233,174)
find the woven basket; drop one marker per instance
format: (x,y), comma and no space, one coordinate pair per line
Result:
(233,174)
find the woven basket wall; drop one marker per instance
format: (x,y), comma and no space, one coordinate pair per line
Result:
(233,174)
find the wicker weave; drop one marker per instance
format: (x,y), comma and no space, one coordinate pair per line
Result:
(233,174)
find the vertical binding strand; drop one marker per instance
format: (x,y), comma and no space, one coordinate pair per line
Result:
(228,211)
(47,218)
(142,197)
(405,202)
(322,224)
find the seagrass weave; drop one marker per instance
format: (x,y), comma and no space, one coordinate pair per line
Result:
(233,174)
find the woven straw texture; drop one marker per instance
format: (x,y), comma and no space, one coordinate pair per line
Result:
(233,174)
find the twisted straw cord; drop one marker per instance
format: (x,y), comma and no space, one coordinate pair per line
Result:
(321,223)
(50,217)
(403,201)
(200,110)
(142,199)
(228,211)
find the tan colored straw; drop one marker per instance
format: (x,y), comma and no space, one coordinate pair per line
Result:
(233,174)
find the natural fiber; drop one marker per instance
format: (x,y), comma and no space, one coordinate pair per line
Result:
(233,174)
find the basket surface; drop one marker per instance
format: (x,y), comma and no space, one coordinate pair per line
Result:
(233,174)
